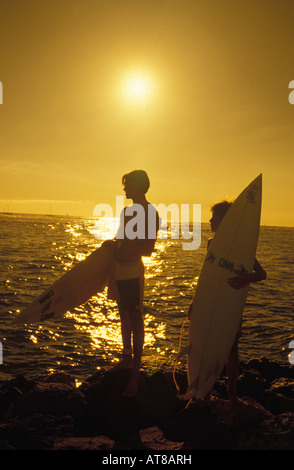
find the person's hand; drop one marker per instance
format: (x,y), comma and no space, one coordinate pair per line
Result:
(239,281)
(109,243)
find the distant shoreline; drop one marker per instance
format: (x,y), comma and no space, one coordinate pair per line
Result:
(95,218)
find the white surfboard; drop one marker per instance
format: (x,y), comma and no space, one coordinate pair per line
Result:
(75,288)
(217,307)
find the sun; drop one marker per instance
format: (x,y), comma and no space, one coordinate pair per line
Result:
(137,88)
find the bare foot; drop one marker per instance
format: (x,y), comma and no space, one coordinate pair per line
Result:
(125,363)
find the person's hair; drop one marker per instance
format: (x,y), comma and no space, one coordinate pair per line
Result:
(138,177)
(220,208)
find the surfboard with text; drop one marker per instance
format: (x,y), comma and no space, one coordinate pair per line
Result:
(75,288)
(217,307)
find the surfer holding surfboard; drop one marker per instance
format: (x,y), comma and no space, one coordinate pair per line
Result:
(216,311)
(135,238)
(239,281)
(116,263)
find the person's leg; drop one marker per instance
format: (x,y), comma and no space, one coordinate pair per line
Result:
(126,332)
(137,324)
(132,328)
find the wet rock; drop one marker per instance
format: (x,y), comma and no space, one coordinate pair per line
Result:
(48,399)
(269,369)
(109,411)
(278,403)
(244,413)
(60,378)
(20,382)
(199,428)
(275,433)
(279,396)
(251,383)
(12,390)
(84,443)
(284,386)
(158,399)
(154,439)
(150,438)
(34,432)
(52,413)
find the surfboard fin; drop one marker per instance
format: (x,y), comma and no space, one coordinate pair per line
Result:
(185,351)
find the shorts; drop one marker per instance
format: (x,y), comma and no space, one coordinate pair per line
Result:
(129,294)
(129,281)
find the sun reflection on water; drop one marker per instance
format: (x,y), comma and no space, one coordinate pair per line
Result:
(105,228)
(89,338)
(99,319)
(91,333)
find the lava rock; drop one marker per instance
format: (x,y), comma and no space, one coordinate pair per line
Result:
(52,413)
(48,399)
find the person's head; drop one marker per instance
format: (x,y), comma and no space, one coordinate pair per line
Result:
(136,182)
(218,211)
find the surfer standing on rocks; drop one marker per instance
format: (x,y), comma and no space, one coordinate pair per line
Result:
(136,237)
(241,279)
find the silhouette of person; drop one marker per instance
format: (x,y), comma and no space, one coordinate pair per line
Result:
(136,237)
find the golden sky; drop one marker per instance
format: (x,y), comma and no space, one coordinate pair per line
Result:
(215,113)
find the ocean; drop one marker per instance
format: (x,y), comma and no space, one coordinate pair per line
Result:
(36,250)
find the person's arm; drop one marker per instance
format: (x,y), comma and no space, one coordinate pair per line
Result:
(243,278)
(133,249)
(146,245)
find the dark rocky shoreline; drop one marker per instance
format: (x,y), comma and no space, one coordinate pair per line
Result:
(51,413)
